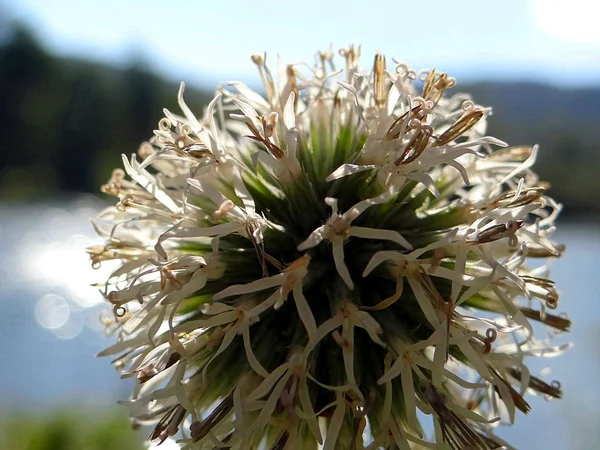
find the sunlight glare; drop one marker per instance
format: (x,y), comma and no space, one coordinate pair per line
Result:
(573,21)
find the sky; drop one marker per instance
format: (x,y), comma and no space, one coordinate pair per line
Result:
(551,41)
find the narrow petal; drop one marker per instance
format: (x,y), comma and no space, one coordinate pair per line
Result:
(335,425)
(378,233)
(254,286)
(314,239)
(254,363)
(340,264)
(305,312)
(348,169)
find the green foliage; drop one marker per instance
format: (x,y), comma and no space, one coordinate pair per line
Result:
(68,430)
(66,123)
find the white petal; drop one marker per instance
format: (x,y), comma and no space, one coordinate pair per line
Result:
(426,180)
(380,257)
(393,371)
(324,329)
(377,233)
(408,392)
(335,424)
(314,239)
(267,384)
(308,411)
(366,321)
(124,345)
(254,286)
(305,312)
(250,113)
(340,264)
(348,169)
(148,182)
(361,206)
(254,363)
(215,321)
(289,117)
(251,96)
(424,301)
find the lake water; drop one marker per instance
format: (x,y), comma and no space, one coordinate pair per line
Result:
(49,329)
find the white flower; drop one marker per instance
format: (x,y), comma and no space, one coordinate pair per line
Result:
(316,266)
(339,227)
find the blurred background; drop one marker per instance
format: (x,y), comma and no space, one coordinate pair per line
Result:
(83,81)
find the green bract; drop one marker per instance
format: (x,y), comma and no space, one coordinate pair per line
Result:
(312,268)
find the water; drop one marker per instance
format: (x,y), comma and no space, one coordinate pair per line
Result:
(49,330)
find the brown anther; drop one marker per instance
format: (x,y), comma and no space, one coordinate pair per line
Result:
(293,85)
(556,322)
(269,125)
(416,146)
(259,60)
(197,151)
(517,398)
(275,151)
(517,154)
(551,390)
(496,232)
(379,80)
(280,444)
(550,296)
(394,130)
(337,101)
(169,424)
(525,197)
(198,430)
(351,55)
(543,252)
(467,121)
(434,87)
(155,366)
(455,431)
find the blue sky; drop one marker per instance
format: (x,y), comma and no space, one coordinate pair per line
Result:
(205,42)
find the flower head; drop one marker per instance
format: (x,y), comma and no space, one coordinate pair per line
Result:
(315,266)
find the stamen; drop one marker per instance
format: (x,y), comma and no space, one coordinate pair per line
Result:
(434,87)
(517,398)
(416,146)
(199,430)
(467,121)
(152,368)
(169,424)
(379,80)
(551,390)
(455,431)
(293,85)
(496,232)
(557,322)
(280,444)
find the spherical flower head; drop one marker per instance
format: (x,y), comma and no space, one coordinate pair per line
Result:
(330,265)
